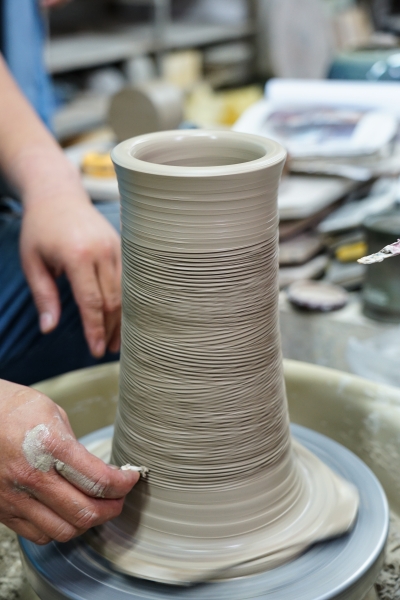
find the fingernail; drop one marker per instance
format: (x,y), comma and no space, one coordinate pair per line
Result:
(143,471)
(99,348)
(114,467)
(46,322)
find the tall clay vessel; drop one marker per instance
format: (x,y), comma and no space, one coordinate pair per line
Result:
(202,398)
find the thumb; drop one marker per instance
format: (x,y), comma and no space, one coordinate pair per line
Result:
(90,474)
(44,292)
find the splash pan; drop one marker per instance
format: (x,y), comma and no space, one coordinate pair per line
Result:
(345,567)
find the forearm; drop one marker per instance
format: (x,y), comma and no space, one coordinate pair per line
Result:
(30,157)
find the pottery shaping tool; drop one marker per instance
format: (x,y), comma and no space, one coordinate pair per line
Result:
(386,252)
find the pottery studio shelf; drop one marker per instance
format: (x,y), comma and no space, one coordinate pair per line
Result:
(70,53)
(85,50)
(83,114)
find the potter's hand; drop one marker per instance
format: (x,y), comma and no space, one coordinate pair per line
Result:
(51,488)
(61,230)
(63,233)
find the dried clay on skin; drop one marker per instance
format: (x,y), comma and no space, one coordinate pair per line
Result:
(37,455)
(34,448)
(80,481)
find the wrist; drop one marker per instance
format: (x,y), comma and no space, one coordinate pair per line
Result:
(44,174)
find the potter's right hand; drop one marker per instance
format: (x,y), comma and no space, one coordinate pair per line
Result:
(51,487)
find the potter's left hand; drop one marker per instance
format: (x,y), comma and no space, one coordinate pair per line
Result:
(63,233)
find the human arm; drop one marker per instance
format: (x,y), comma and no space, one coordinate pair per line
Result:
(61,230)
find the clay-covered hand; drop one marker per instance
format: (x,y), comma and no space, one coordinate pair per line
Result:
(51,487)
(63,233)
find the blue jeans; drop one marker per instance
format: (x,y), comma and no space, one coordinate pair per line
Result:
(26,355)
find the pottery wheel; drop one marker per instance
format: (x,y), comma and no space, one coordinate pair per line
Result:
(345,567)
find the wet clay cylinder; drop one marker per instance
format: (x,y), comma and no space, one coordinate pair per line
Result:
(202,398)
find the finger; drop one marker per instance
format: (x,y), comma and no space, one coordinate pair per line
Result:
(28,531)
(114,344)
(73,506)
(109,277)
(63,415)
(90,474)
(65,421)
(89,298)
(113,328)
(46,520)
(44,292)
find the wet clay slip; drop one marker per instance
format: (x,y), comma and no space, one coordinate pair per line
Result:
(202,399)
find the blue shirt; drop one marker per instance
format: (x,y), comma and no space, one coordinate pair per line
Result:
(23,39)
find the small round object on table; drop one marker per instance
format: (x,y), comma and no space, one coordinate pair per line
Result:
(317,295)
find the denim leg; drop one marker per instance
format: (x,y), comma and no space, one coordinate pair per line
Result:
(26,355)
